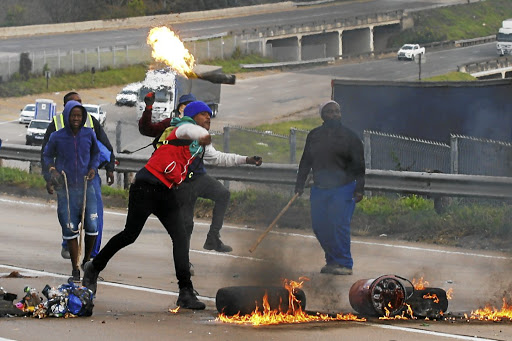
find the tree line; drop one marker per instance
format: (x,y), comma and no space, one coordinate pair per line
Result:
(37,12)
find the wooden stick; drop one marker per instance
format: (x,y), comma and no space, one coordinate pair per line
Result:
(82,223)
(274,222)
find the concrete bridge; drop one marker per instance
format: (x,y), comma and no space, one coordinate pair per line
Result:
(320,39)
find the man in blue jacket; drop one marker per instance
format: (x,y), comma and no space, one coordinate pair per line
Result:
(107,160)
(71,157)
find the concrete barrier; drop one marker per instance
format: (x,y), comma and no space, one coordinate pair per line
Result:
(141,22)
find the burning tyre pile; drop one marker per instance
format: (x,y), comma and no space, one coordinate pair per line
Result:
(388,297)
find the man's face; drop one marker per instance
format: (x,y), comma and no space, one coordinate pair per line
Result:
(203,120)
(331,112)
(75,118)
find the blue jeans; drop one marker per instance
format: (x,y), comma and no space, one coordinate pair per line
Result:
(331,214)
(75,211)
(96,182)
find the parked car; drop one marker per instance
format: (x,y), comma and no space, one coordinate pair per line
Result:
(98,112)
(27,113)
(128,96)
(410,51)
(35,132)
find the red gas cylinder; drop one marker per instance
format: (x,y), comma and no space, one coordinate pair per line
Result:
(384,296)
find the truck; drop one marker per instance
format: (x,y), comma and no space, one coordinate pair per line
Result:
(45,109)
(410,51)
(170,86)
(504,38)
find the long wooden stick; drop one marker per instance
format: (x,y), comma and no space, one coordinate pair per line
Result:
(274,222)
(82,223)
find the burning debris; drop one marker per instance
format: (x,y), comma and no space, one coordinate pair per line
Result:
(389,298)
(493,314)
(268,306)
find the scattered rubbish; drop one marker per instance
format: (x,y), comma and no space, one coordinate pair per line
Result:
(68,300)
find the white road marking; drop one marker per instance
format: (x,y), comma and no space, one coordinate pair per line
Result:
(432,333)
(110,284)
(288,234)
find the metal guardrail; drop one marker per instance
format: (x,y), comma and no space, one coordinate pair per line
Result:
(309,62)
(285,174)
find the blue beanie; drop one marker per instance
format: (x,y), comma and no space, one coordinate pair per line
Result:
(185,99)
(194,108)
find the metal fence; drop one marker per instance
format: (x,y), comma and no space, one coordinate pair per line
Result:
(464,155)
(395,152)
(274,148)
(476,156)
(202,48)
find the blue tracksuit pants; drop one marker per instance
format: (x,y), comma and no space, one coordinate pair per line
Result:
(331,214)
(96,183)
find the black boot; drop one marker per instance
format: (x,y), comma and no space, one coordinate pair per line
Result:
(90,279)
(213,242)
(188,300)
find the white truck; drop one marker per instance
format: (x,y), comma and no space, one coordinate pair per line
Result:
(169,87)
(504,38)
(410,51)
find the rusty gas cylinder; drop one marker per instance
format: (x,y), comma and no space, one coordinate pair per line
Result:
(383,296)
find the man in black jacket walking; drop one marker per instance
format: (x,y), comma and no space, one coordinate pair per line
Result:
(336,156)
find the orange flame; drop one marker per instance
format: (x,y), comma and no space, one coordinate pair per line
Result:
(399,317)
(295,314)
(169,49)
(432,297)
(449,293)
(420,284)
(493,314)
(175,310)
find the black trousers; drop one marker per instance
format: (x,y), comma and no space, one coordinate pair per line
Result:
(146,199)
(203,186)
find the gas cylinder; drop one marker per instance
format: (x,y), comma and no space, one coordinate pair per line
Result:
(383,296)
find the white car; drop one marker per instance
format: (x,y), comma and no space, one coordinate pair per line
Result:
(27,113)
(98,113)
(35,132)
(410,51)
(128,96)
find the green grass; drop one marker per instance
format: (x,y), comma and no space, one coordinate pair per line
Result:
(452,77)
(102,79)
(457,22)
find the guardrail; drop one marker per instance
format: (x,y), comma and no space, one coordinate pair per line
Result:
(279,65)
(285,174)
(486,65)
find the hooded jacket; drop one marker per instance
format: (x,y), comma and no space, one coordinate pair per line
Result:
(75,155)
(335,154)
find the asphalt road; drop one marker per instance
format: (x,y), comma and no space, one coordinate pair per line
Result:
(140,285)
(209,27)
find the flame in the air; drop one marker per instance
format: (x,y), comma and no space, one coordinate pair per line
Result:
(169,49)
